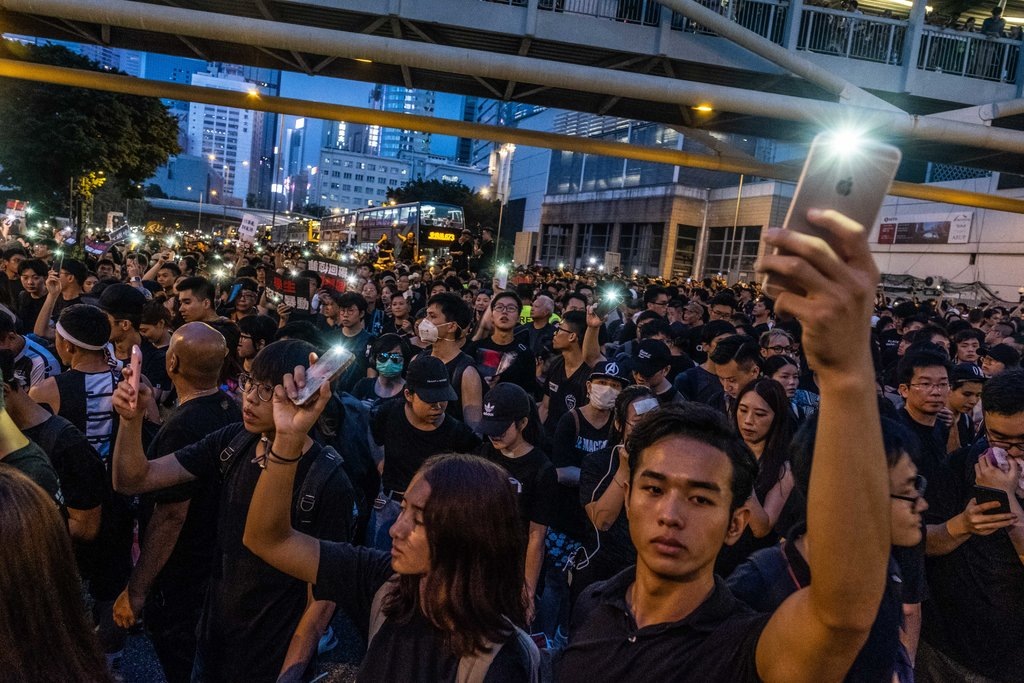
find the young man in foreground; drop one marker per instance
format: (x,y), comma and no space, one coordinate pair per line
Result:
(669,618)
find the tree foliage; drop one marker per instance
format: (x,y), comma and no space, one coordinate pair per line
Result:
(478,210)
(52,134)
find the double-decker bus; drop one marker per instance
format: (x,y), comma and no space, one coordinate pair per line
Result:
(435,226)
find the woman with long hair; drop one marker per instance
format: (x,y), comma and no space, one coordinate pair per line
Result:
(44,632)
(449,596)
(763,423)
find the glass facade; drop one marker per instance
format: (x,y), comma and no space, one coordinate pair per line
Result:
(555,247)
(732,251)
(685,260)
(592,240)
(640,247)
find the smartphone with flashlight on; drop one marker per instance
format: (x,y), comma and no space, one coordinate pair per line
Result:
(503,276)
(844,172)
(608,302)
(325,369)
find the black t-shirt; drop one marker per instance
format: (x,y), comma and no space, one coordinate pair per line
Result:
(596,475)
(366,391)
(61,304)
(717,642)
(975,612)
(512,362)
(697,384)
(574,438)
(252,609)
(358,345)
(28,311)
(411,651)
(154,365)
(536,481)
(83,478)
(931,464)
(565,393)
(406,447)
(189,564)
(771,575)
(33,463)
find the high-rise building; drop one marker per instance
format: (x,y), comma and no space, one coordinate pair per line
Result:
(224,135)
(464,146)
(395,98)
(349,180)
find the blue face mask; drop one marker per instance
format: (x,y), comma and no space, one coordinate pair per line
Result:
(389,368)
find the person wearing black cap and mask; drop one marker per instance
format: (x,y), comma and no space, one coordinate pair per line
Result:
(123,305)
(998,358)
(410,429)
(512,427)
(651,366)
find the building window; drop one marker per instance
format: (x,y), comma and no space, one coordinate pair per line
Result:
(347,175)
(335,174)
(555,244)
(592,241)
(732,251)
(685,259)
(346,188)
(371,179)
(640,247)
(359,176)
(348,164)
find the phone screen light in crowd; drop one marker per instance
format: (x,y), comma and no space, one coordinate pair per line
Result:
(502,270)
(593,260)
(305,254)
(58,252)
(561,266)
(31,233)
(351,279)
(294,273)
(221,273)
(601,267)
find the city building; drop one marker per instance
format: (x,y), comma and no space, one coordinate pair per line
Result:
(349,180)
(225,135)
(188,177)
(393,98)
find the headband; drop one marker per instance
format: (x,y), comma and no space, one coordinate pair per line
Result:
(78,342)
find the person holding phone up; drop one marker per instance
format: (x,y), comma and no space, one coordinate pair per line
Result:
(973,624)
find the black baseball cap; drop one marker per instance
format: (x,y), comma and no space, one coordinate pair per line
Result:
(966,372)
(653,355)
(122,301)
(609,369)
(427,377)
(503,405)
(1007,355)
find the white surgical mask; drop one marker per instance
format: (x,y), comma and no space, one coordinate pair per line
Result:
(427,331)
(603,397)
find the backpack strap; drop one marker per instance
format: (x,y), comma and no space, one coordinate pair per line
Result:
(474,668)
(377,616)
(313,486)
(229,456)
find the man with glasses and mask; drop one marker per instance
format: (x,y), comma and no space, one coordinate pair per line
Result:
(257,623)
(973,624)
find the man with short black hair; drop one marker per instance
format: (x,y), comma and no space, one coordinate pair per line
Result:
(42,363)
(576,339)
(656,300)
(354,337)
(690,475)
(701,383)
(966,383)
(923,378)
(444,328)
(973,623)
(651,367)
(761,312)
(196,300)
(64,288)
(500,357)
(123,305)
(967,344)
(737,362)
(723,306)
(10,284)
(255,332)
(32,273)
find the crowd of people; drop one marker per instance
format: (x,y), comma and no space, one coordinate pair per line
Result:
(554,476)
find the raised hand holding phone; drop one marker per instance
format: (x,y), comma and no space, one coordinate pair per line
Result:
(322,371)
(135,375)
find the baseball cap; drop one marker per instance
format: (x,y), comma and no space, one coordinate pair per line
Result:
(609,369)
(427,377)
(653,355)
(503,405)
(1007,355)
(124,302)
(966,372)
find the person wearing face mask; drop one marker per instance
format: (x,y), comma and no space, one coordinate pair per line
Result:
(388,355)
(603,476)
(444,330)
(512,427)
(580,431)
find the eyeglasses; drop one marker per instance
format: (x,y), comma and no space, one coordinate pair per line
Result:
(505,308)
(779,349)
(659,304)
(563,329)
(928,387)
(920,483)
(384,356)
(1007,445)
(264,392)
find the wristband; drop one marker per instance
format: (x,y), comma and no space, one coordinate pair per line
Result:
(278,458)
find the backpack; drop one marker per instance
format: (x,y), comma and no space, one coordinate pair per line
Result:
(472,668)
(312,486)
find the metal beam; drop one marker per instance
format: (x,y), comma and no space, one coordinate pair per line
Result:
(108,82)
(245,31)
(776,54)
(984,114)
